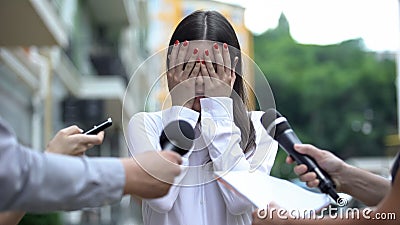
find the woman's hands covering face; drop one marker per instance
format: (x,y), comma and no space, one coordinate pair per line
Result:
(181,79)
(199,77)
(218,82)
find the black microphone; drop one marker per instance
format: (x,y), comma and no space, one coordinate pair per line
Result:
(177,136)
(278,127)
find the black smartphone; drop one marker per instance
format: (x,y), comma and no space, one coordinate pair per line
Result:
(97,128)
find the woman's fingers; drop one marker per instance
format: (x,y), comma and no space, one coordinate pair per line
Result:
(172,56)
(209,69)
(180,60)
(204,69)
(199,87)
(196,70)
(177,57)
(190,64)
(233,74)
(219,61)
(209,87)
(227,58)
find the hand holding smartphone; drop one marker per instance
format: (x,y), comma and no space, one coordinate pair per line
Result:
(97,128)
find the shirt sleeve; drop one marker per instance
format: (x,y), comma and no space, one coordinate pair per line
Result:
(262,158)
(38,182)
(224,136)
(144,132)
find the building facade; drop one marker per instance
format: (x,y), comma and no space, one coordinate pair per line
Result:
(65,62)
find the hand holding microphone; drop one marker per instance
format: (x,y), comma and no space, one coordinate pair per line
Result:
(334,166)
(278,127)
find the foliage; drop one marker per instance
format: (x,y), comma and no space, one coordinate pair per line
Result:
(282,169)
(41,219)
(338,97)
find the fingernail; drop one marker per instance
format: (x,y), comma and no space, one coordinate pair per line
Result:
(185,43)
(176,43)
(225,46)
(216,46)
(195,51)
(203,62)
(206,52)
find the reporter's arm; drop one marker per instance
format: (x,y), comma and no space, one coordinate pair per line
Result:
(73,183)
(37,182)
(46,182)
(150,174)
(67,141)
(11,217)
(363,185)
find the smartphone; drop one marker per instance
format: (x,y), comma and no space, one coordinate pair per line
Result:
(97,128)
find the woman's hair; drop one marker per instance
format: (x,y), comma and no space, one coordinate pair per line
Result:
(212,26)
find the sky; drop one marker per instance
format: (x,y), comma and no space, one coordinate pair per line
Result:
(324,22)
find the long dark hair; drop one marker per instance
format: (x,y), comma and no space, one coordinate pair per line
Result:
(212,26)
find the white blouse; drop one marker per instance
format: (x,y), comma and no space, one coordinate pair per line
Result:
(199,199)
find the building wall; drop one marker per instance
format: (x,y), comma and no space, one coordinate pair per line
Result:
(16,106)
(36,79)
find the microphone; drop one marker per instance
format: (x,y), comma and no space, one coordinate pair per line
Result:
(278,127)
(177,136)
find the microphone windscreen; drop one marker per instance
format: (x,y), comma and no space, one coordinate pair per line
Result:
(268,119)
(180,134)
(272,124)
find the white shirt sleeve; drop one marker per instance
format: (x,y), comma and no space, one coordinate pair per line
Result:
(223,136)
(144,130)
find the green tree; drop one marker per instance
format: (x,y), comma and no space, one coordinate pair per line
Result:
(41,219)
(339,97)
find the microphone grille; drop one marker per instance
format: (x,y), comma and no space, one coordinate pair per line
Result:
(270,122)
(179,133)
(269,116)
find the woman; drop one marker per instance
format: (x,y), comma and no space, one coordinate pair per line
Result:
(207,90)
